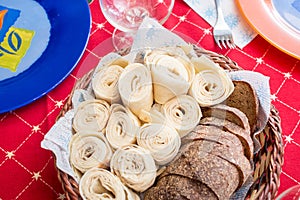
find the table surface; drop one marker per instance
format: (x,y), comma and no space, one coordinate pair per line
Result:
(28,172)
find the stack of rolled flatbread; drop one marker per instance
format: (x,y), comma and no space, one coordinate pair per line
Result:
(169,125)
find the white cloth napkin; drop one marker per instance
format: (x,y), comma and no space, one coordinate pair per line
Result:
(242,33)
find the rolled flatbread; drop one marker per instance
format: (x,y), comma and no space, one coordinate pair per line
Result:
(122,127)
(135,87)
(134,166)
(91,115)
(161,140)
(183,113)
(211,84)
(105,83)
(172,73)
(100,184)
(88,150)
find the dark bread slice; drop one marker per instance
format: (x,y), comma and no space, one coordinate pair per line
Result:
(228,126)
(219,175)
(162,192)
(245,99)
(229,113)
(226,145)
(217,135)
(179,188)
(237,159)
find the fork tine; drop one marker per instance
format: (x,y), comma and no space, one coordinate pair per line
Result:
(223,42)
(230,44)
(233,44)
(231,41)
(217,40)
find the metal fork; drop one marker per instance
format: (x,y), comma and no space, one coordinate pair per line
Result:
(222,32)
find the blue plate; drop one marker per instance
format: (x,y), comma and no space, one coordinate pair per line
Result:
(70,27)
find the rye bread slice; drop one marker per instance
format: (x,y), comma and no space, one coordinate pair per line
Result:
(237,159)
(179,188)
(229,113)
(219,175)
(228,126)
(224,144)
(245,99)
(217,135)
(162,193)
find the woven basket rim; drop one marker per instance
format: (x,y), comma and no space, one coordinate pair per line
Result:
(268,161)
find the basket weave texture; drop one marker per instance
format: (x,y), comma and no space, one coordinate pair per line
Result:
(267,162)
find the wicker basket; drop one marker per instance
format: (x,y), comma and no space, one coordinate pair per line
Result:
(268,161)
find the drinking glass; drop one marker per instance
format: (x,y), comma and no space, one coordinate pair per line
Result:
(127,15)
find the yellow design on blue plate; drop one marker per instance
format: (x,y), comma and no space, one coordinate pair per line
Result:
(8,17)
(14,46)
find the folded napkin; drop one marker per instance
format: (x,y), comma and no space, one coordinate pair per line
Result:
(242,33)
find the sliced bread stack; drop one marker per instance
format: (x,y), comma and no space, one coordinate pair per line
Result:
(245,99)
(215,159)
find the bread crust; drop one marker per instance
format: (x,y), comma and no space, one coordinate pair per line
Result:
(179,188)
(221,176)
(229,113)
(236,130)
(245,99)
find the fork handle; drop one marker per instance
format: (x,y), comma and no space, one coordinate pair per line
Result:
(220,16)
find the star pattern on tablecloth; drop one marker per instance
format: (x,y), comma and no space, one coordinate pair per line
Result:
(10,154)
(59,104)
(100,26)
(273,97)
(61,196)
(35,128)
(287,75)
(122,39)
(288,138)
(259,60)
(36,175)
(207,31)
(182,18)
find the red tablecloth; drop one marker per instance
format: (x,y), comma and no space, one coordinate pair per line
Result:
(28,172)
